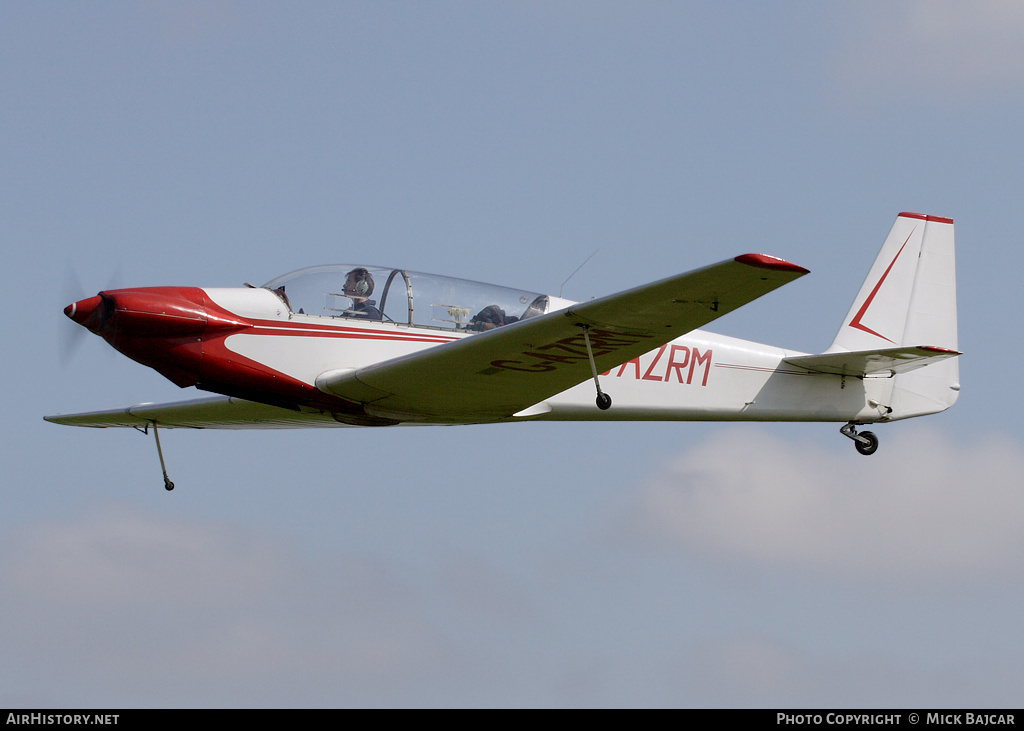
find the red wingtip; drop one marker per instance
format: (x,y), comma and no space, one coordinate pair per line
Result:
(764,261)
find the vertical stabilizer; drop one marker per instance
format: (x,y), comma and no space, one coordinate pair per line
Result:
(909,299)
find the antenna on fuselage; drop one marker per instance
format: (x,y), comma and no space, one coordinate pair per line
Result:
(574,273)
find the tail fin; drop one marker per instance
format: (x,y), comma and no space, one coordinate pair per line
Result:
(909,297)
(909,300)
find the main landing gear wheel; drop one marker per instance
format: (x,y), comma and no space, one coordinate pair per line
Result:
(604,401)
(866,442)
(870,447)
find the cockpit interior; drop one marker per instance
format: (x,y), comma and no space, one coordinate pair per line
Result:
(382,294)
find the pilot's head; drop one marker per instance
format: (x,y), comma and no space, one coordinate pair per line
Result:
(359,284)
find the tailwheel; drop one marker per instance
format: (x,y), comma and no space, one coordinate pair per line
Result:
(869,446)
(865,442)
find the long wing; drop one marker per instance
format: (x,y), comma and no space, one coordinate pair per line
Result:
(218,412)
(495,374)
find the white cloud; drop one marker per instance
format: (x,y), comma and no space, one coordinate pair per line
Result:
(744,669)
(128,608)
(941,49)
(922,507)
(124,555)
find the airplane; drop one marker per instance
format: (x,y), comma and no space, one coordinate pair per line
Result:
(367,346)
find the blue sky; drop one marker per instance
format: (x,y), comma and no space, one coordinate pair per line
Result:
(214,143)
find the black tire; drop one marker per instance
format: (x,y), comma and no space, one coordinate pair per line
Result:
(168,485)
(604,401)
(868,448)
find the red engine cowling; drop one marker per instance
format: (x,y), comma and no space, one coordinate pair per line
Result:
(161,327)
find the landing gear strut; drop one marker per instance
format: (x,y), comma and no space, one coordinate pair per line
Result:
(168,485)
(604,401)
(865,442)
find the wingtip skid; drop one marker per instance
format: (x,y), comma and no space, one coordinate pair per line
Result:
(763,261)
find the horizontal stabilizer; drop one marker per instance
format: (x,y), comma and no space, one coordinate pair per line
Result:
(884,362)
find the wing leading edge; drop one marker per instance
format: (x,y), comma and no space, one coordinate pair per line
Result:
(498,373)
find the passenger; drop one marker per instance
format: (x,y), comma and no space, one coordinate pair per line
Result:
(489,318)
(359,287)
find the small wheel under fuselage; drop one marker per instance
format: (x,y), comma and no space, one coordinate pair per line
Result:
(868,448)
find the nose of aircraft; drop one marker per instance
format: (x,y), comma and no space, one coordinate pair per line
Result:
(161,327)
(150,312)
(83,311)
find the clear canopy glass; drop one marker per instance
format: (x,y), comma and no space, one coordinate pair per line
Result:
(373,293)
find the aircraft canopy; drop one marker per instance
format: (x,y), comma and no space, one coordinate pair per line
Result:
(406,297)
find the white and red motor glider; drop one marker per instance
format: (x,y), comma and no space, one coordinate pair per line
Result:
(358,345)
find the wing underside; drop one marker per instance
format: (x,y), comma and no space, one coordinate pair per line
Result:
(219,412)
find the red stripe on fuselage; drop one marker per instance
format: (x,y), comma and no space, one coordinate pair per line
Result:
(310,330)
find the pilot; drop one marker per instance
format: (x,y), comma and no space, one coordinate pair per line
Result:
(359,287)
